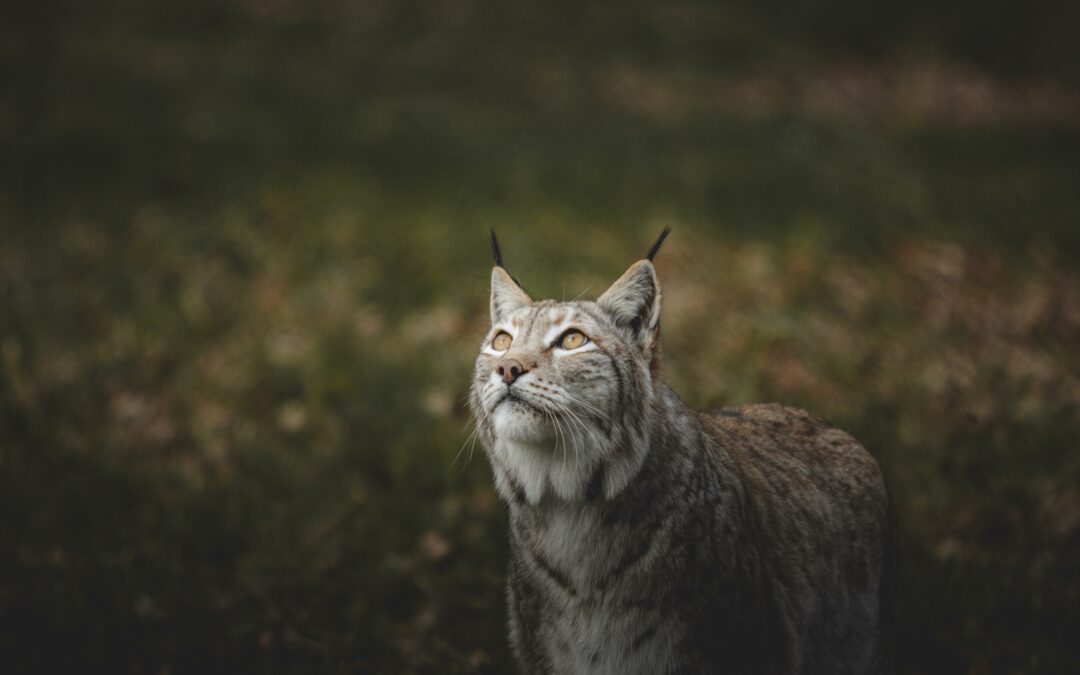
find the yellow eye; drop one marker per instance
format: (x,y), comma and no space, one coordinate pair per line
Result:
(501,342)
(573,340)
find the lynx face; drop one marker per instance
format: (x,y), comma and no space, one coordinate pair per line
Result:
(554,366)
(560,389)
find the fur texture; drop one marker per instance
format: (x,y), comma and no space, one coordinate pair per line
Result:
(650,538)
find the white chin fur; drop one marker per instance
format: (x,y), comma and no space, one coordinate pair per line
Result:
(538,469)
(542,460)
(539,459)
(519,423)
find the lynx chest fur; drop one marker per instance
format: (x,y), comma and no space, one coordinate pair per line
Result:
(649,538)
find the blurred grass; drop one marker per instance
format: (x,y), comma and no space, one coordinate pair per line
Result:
(243,271)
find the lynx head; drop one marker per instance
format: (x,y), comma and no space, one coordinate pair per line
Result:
(562,390)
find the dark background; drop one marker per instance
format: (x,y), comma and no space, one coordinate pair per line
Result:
(243,276)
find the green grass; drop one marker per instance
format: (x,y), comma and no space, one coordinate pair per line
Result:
(243,271)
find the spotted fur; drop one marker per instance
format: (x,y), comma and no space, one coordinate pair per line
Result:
(650,538)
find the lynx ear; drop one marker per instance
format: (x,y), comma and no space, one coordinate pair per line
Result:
(634,302)
(506,295)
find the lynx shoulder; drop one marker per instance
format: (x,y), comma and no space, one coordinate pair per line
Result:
(650,538)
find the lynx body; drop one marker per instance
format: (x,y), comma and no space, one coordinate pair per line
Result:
(650,538)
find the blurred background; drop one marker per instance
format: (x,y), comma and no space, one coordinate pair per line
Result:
(243,277)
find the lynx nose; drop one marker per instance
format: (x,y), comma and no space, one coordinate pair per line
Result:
(510,370)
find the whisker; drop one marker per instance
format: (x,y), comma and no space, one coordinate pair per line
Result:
(471,438)
(558,427)
(555,427)
(472,447)
(571,416)
(599,414)
(585,404)
(605,421)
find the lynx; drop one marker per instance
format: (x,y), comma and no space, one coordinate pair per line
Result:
(646,537)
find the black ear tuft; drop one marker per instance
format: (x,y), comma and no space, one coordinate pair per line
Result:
(495,252)
(659,242)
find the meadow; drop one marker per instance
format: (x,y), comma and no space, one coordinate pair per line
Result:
(243,278)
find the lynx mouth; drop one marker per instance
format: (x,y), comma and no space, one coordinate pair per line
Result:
(512,397)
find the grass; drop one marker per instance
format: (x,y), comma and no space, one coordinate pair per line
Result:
(243,272)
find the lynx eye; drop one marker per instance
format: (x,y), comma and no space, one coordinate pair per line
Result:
(573,339)
(501,342)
